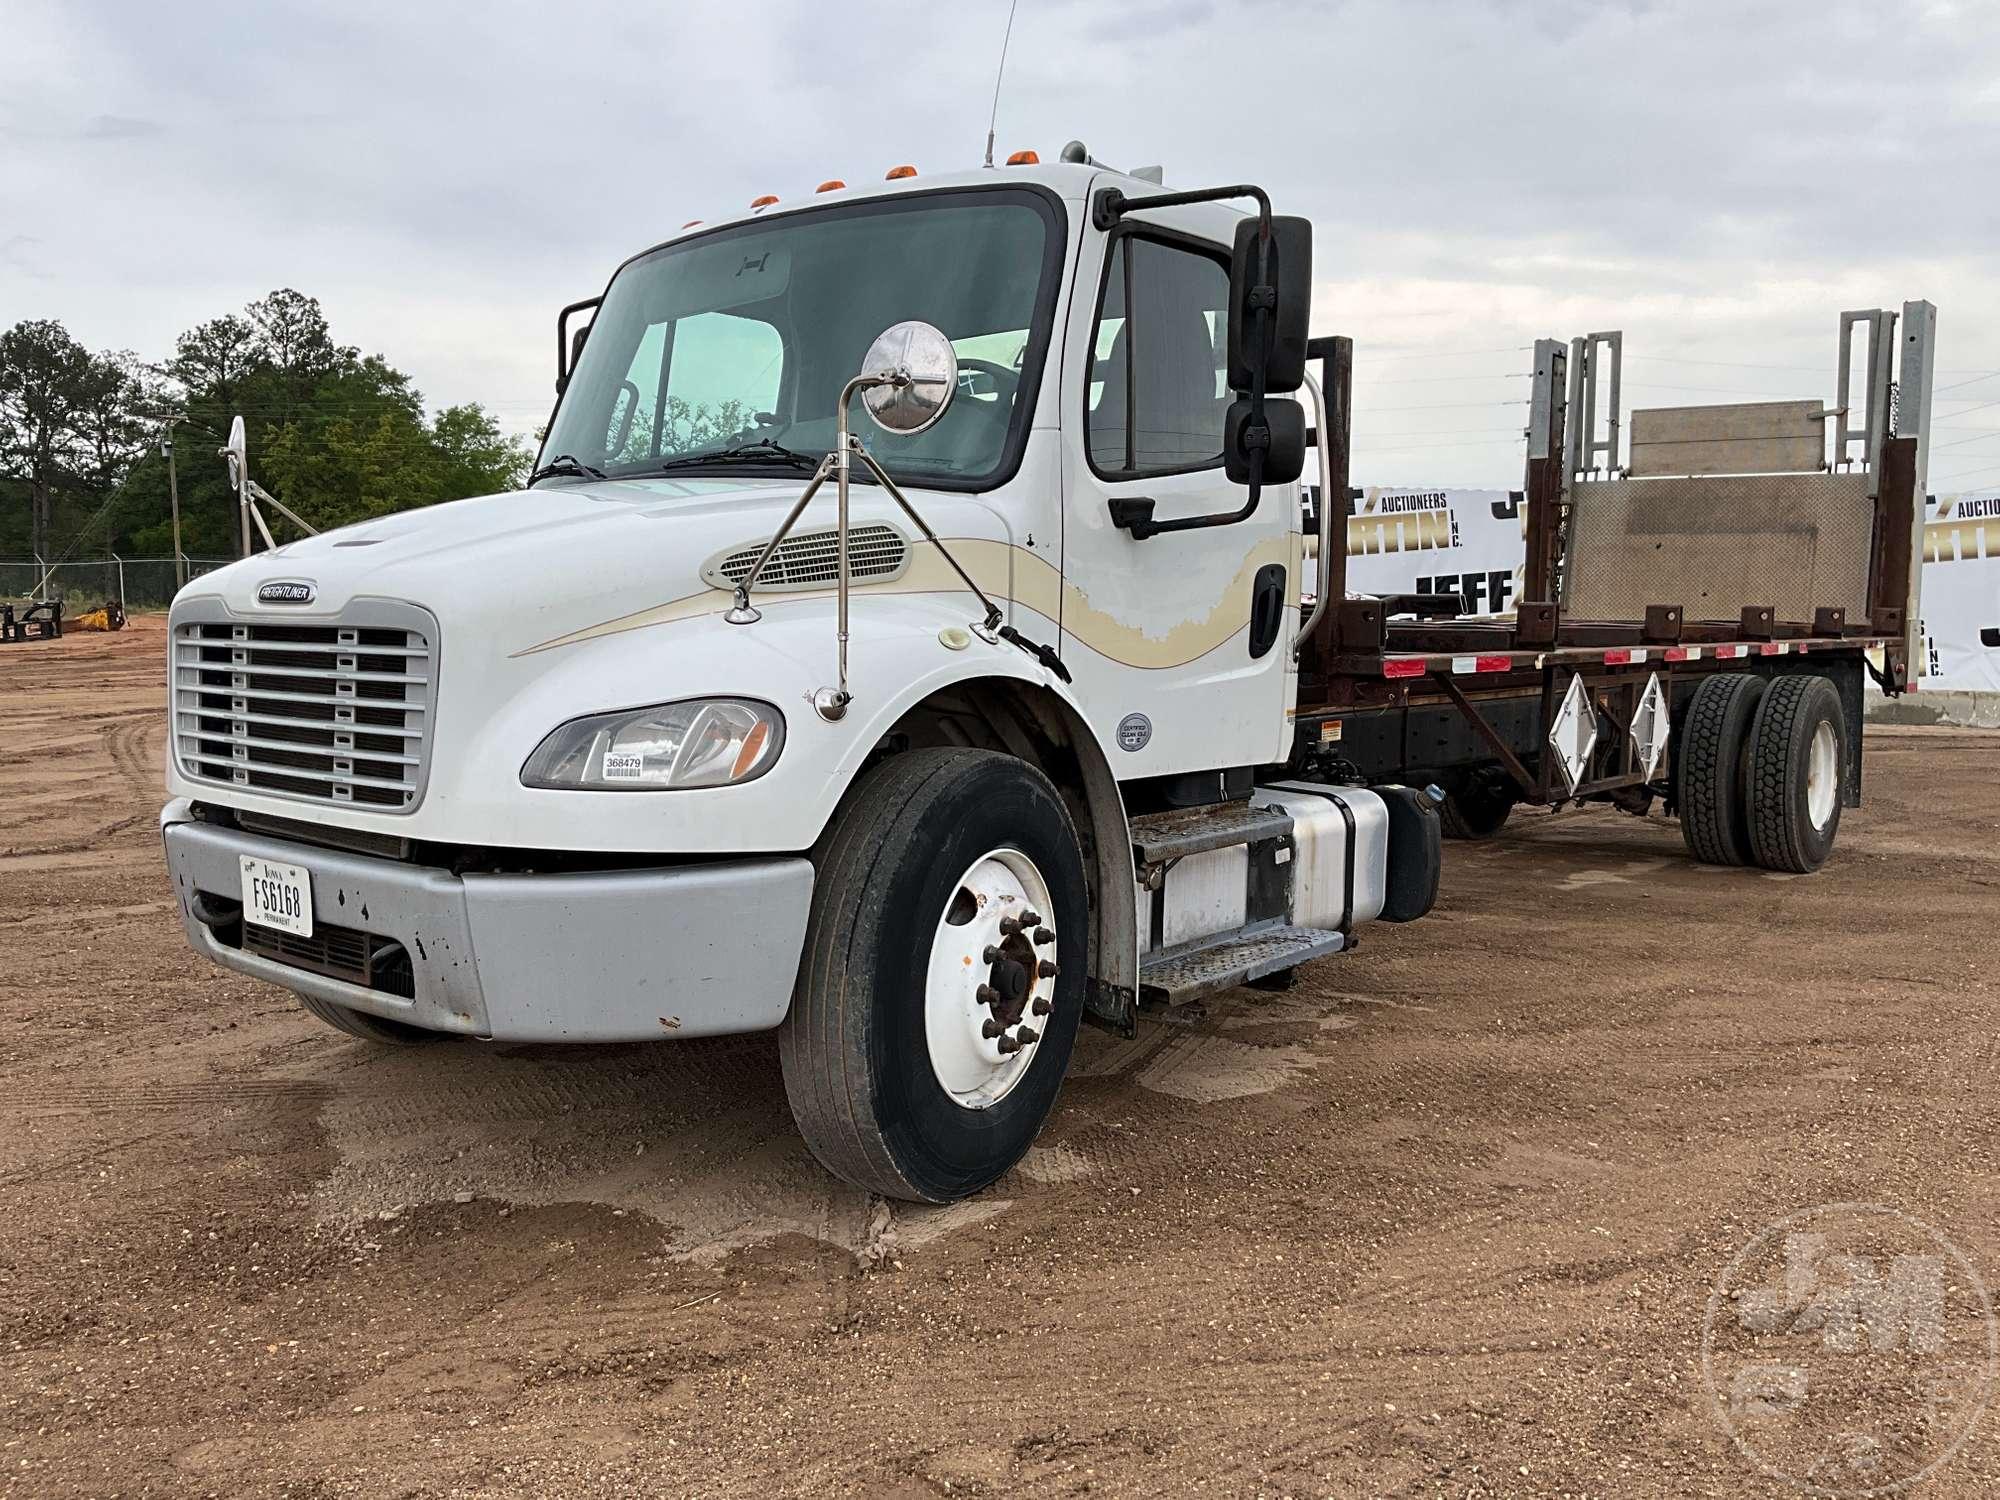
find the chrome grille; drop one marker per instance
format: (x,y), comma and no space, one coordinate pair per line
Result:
(336,712)
(811,559)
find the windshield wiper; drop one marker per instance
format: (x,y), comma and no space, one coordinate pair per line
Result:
(764,450)
(564,466)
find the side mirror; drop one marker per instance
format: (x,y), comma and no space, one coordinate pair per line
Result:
(1284,445)
(1282,286)
(235,454)
(911,374)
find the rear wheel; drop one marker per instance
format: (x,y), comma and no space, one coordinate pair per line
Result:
(942,979)
(1476,807)
(1710,779)
(1797,756)
(369,1028)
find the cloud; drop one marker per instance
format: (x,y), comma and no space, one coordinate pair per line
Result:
(1718,179)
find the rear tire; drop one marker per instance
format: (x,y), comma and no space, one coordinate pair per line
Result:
(1474,809)
(895,1079)
(377,1029)
(1798,761)
(1714,736)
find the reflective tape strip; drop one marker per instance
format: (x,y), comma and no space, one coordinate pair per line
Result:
(1403,666)
(1460,665)
(1772,648)
(1494,663)
(1730,651)
(1620,657)
(1683,653)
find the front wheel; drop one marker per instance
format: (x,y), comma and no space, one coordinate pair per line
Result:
(943,974)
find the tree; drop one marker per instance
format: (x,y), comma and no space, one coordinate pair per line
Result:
(339,436)
(70,420)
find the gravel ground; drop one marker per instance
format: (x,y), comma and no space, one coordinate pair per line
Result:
(1455,1216)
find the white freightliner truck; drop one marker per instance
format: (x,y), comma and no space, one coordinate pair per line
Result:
(910,641)
(896,646)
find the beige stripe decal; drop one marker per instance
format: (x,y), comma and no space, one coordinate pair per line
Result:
(1036,585)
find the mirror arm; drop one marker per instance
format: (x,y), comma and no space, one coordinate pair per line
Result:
(993,612)
(1111,204)
(562,338)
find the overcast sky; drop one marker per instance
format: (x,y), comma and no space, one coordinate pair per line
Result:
(1719,178)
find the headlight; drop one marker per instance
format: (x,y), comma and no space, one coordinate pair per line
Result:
(666,746)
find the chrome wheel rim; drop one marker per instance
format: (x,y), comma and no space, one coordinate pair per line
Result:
(990,986)
(1822,776)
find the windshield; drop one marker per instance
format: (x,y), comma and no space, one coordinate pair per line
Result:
(746,337)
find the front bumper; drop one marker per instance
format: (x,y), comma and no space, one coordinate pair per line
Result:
(606,956)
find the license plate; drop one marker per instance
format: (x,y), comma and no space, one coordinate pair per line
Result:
(276,895)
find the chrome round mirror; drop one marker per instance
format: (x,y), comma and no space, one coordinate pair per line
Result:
(919,369)
(235,455)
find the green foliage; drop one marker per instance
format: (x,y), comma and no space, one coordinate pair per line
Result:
(338,436)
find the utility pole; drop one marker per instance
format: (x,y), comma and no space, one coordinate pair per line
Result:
(174,496)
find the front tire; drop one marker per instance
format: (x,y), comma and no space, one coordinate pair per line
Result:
(377,1029)
(926,1041)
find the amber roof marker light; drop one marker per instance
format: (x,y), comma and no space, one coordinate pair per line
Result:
(906,170)
(831,185)
(765,201)
(1025,159)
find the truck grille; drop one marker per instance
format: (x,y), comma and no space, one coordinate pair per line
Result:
(333,713)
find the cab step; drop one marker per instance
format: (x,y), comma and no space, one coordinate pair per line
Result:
(1187,974)
(1181,831)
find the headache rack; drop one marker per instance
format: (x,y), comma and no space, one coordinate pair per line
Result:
(1772,537)
(336,712)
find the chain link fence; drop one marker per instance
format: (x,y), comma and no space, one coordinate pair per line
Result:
(134,582)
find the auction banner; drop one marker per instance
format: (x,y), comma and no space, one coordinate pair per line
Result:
(1412,540)
(1961,603)
(1418,541)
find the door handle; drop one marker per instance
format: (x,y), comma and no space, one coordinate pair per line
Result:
(1267,608)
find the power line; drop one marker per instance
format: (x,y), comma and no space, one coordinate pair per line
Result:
(1967,474)
(1438,406)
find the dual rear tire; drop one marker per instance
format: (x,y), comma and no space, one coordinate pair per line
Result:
(1759,771)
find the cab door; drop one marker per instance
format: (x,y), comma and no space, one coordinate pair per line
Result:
(1180,644)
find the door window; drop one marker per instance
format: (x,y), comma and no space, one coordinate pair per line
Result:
(1158,380)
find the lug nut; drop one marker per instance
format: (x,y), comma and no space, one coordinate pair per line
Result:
(1009,926)
(1046,969)
(1008,1045)
(1042,1007)
(987,995)
(1026,1035)
(1029,919)
(992,955)
(990,1030)
(1043,937)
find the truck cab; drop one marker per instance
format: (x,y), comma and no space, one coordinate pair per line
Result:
(896,647)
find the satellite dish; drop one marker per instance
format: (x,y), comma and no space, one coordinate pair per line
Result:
(236,455)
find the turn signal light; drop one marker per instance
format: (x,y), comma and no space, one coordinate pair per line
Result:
(903,171)
(1024,159)
(831,185)
(764,202)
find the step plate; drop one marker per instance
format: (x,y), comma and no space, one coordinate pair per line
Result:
(1178,978)
(1196,830)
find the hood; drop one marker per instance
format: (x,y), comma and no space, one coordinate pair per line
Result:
(539,564)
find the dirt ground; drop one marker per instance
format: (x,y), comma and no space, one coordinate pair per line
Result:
(1444,1219)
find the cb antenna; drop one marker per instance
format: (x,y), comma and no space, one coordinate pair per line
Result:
(998,74)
